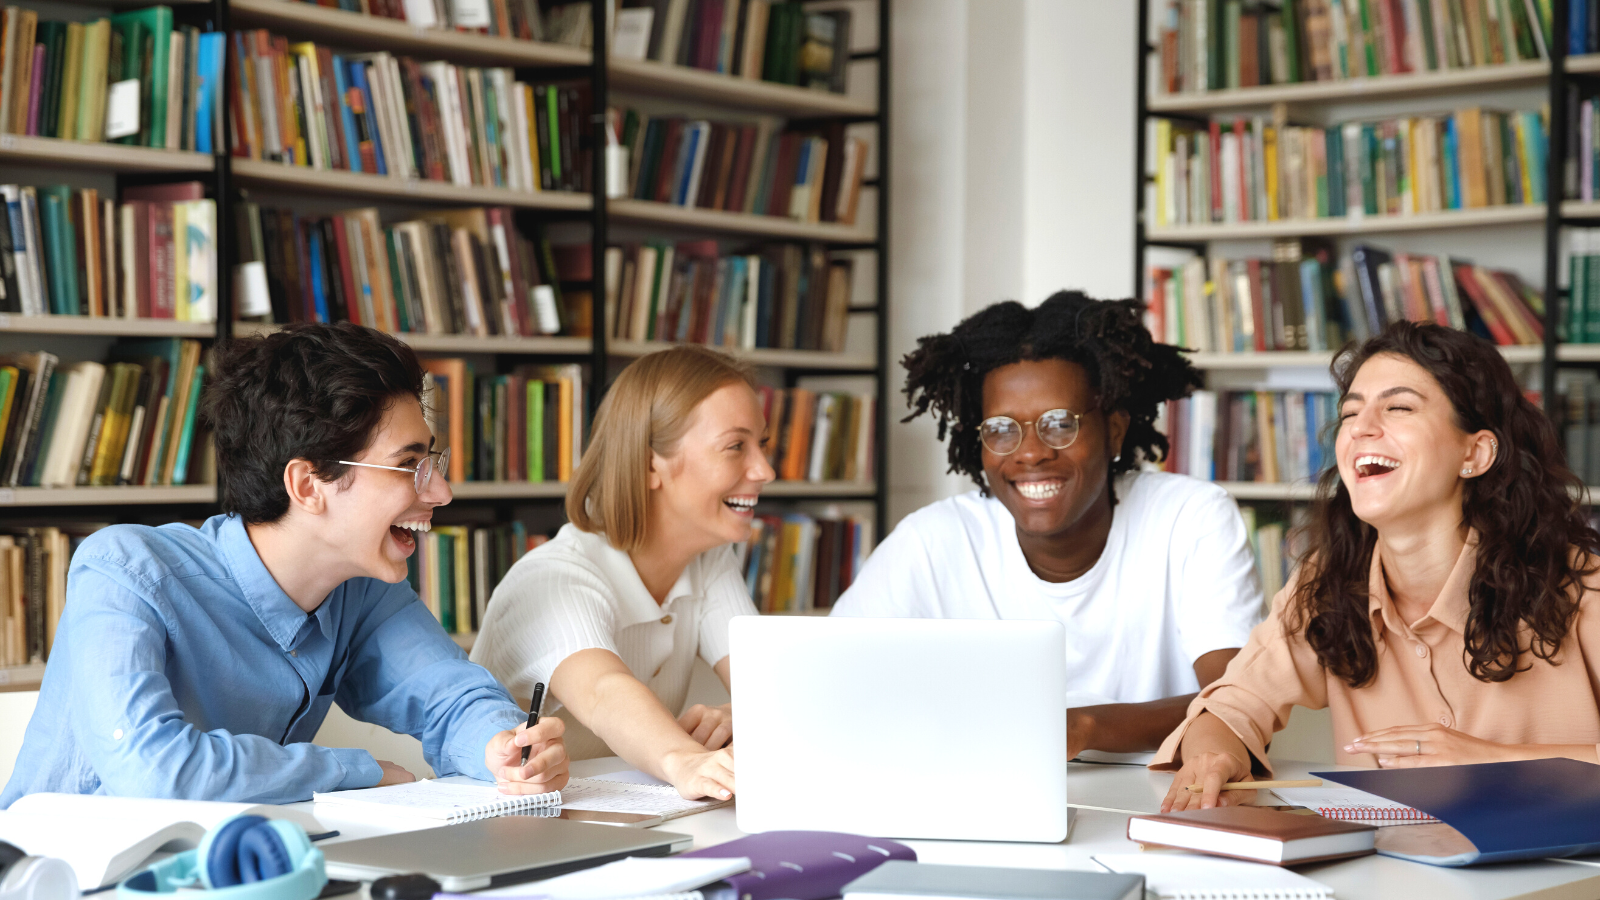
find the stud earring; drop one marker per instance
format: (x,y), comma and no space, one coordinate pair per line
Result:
(1466,471)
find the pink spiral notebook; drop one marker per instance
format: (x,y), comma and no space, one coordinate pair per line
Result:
(1335,802)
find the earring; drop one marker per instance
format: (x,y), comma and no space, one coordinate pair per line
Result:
(1467,471)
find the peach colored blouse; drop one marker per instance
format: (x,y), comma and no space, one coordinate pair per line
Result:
(1421,677)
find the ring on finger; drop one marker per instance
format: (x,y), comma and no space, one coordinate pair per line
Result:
(1419,748)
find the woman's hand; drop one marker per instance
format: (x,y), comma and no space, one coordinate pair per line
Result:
(706,773)
(547,766)
(1409,746)
(1212,756)
(710,726)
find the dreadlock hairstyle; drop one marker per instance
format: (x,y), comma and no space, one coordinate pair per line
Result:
(1126,367)
(1535,544)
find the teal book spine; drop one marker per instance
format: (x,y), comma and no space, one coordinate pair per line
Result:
(61,250)
(180,462)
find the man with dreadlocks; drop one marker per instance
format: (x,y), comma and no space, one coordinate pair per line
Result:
(1049,411)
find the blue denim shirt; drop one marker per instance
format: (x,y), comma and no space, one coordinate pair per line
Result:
(181,669)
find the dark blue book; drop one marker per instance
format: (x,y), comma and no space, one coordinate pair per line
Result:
(1498,812)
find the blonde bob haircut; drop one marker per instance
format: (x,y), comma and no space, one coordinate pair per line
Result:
(649,408)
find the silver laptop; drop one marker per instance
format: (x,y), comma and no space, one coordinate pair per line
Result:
(494,852)
(915,728)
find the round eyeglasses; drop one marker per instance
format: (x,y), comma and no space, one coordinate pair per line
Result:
(1057,429)
(421,475)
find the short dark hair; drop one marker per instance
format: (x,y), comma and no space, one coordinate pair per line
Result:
(1127,368)
(309,391)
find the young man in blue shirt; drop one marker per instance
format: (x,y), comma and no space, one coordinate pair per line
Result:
(199,663)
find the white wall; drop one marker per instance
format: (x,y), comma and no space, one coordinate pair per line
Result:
(1011,175)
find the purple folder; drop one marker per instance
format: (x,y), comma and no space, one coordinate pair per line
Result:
(803,865)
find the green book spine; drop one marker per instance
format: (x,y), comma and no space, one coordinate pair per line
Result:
(397,289)
(1369,160)
(1291,42)
(447,582)
(1572,325)
(1591,299)
(1230,25)
(157,26)
(38,447)
(553,116)
(1429,54)
(180,464)
(1371,39)
(61,247)
(1334,139)
(53,35)
(535,428)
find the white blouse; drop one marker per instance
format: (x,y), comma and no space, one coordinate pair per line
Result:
(578,592)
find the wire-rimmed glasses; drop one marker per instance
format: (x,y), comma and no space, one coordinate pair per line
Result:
(421,475)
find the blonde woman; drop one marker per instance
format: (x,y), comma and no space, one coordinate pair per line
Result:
(612,613)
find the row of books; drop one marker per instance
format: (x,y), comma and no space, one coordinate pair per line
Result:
(1274,437)
(796,563)
(132,78)
(524,20)
(1260,170)
(1220,44)
(304,105)
(1298,300)
(757,39)
(131,420)
(524,426)
(71,252)
(785,296)
(465,271)
(1275,543)
(1581,314)
(813,174)
(455,568)
(33,587)
(819,435)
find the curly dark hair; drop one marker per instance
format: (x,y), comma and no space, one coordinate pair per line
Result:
(310,391)
(1535,542)
(1127,368)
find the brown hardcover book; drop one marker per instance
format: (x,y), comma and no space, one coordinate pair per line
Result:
(742,154)
(1255,834)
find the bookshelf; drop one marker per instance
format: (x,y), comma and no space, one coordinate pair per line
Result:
(1322,103)
(225,177)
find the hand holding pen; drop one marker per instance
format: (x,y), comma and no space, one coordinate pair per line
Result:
(531,759)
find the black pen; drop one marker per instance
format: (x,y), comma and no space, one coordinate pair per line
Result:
(533,715)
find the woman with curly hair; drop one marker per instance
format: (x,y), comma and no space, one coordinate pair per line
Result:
(1444,609)
(1049,410)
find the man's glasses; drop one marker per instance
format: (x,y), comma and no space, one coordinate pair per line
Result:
(421,475)
(1057,429)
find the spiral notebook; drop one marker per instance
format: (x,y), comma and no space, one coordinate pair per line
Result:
(449,802)
(1335,802)
(1184,876)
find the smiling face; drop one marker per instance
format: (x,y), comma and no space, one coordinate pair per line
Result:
(1051,492)
(703,494)
(1400,449)
(373,521)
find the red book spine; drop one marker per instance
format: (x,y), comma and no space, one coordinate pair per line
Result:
(783,175)
(1242,137)
(665,183)
(741,169)
(142,233)
(1216,171)
(163,280)
(347,273)
(1484,306)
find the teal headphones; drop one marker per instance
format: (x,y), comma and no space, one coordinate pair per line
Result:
(243,858)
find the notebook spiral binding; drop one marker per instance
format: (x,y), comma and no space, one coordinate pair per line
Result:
(1250,895)
(527,804)
(1373,813)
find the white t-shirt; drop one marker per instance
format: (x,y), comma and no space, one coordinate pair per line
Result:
(578,592)
(1176,581)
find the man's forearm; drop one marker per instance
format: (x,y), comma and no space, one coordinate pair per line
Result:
(1128,727)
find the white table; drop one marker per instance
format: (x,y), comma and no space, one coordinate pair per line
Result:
(1133,789)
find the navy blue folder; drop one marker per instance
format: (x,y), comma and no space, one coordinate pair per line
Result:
(1531,809)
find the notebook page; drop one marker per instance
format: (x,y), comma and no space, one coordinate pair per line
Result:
(599,795)
(1179,876)
(638,877)
(438,800)
(1350,804)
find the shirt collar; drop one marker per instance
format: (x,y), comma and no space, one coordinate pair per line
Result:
(635,605)
(284,620)
(1450,608)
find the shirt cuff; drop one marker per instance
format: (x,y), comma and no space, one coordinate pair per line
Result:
(1167,758)
(469,752)
(360,769)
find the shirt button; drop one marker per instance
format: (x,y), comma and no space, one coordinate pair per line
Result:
(1445,721)
(1422,652)
(116,735)
(666,619)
